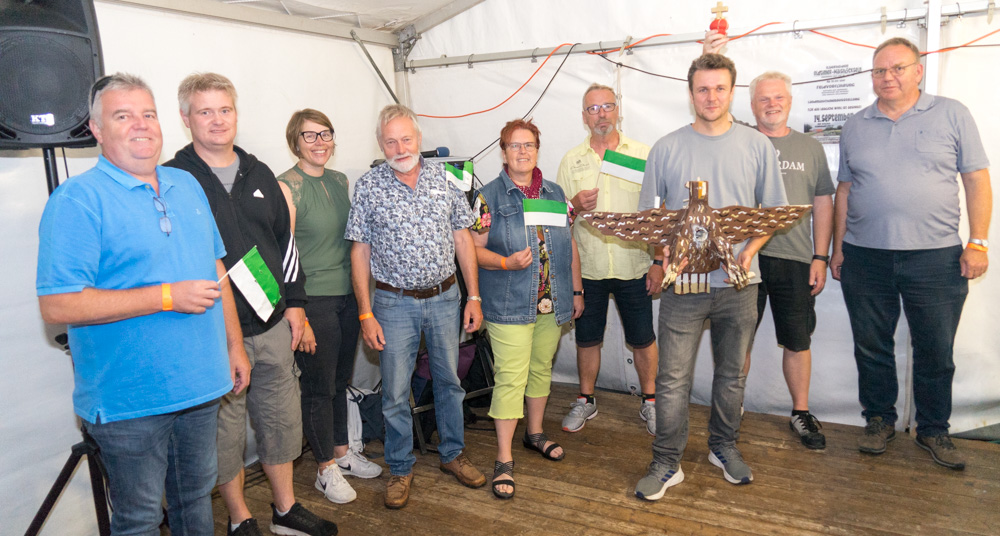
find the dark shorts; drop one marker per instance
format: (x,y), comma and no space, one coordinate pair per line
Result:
(634,305)
(793,308)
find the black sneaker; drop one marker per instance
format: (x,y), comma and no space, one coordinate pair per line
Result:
(808,428)
(300,522)
(247,528)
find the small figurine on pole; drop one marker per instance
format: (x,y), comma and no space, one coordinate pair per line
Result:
(720,23)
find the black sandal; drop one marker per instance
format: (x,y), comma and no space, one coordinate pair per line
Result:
(506,468)
(535,442)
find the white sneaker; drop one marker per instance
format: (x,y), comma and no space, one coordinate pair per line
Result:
(355,464)
(335,486)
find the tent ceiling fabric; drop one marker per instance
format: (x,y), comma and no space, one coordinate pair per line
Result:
(386,15)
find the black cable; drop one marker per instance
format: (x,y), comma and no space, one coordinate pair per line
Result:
(66,165)
(533,106)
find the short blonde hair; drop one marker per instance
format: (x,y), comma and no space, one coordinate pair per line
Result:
(199,82)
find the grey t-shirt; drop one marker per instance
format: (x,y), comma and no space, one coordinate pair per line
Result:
(903,173)
(806,175)
(739,166)
(227,175)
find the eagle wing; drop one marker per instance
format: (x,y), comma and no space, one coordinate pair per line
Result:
(740,223)
(653,226)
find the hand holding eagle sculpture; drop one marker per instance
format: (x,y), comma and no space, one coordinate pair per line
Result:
(702,235)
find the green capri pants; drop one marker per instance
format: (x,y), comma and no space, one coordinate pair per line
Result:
(522,360)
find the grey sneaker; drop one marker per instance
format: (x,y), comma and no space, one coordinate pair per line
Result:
(648,413)
(942,450)
(729,459)
(877,434)
(300,522)
(808,428)
(659,477)
(581,411)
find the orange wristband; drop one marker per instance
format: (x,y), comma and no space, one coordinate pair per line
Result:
(366,316)
(977,247)
(503,262)
(307,323)
(168,300)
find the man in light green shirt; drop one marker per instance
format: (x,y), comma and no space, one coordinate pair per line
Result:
(610,266)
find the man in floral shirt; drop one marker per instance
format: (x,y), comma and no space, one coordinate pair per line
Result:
(408,222)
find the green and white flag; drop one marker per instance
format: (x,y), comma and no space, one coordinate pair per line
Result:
(460,177)
(623,166)
(255,281)
(545,212)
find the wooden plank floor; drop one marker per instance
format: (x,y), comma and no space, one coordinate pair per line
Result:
(795,491)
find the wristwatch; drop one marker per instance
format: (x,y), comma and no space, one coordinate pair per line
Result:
(658,262)
(475,298)
(578,293)
(980,242)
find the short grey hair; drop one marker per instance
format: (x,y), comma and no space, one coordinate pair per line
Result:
(901,41)
(771,75)
(199,82)
(597,87)
(115,82)
(394,111)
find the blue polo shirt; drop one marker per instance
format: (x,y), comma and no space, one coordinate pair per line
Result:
(102,229)
(904,173)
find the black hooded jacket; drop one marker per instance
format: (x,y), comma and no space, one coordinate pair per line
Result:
(253,214)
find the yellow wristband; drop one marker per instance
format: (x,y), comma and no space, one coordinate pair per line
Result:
(366,316)
(977,247)
(503,262)
(168,300)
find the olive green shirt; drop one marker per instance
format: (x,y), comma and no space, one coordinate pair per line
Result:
(321,208)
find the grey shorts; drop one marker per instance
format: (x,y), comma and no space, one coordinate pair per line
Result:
(274,403)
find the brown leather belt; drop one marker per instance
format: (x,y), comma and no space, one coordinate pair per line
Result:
(422,293)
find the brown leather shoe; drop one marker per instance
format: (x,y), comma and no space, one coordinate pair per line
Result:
(397,491)
(464,471)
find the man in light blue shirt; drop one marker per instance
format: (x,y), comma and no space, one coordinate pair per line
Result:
(129,258)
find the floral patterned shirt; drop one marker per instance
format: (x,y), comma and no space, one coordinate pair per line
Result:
(481,212)
(410,231)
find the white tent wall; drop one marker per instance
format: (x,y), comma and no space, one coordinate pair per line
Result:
(655,106)
(275,73)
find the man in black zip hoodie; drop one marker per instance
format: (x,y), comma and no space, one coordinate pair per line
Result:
(250,210)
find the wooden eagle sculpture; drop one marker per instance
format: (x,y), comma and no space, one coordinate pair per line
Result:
(700,233)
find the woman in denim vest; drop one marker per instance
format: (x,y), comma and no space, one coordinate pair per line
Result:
(530,280)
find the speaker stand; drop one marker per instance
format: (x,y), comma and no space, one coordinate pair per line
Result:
(51,169)
(88,448)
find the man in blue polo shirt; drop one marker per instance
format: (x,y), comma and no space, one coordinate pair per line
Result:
(896,219)
(128,258)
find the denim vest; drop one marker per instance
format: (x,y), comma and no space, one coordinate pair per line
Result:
(511,296)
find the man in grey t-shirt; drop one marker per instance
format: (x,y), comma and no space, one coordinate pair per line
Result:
(896,237)
(793,266)
(741,168)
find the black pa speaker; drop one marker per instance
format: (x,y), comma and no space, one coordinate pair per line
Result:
(50,55)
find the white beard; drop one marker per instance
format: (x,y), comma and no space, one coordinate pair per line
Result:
(403,168)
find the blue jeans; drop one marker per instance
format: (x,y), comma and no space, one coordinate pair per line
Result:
(933,292)
(733,316)
(146,457)
(403,319)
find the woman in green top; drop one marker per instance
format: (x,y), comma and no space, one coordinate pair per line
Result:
(318,202)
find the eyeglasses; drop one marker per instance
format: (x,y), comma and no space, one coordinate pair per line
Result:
(99,84)
(161,205)
(310,137)
(530,146)
(608,107)
(897,70)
